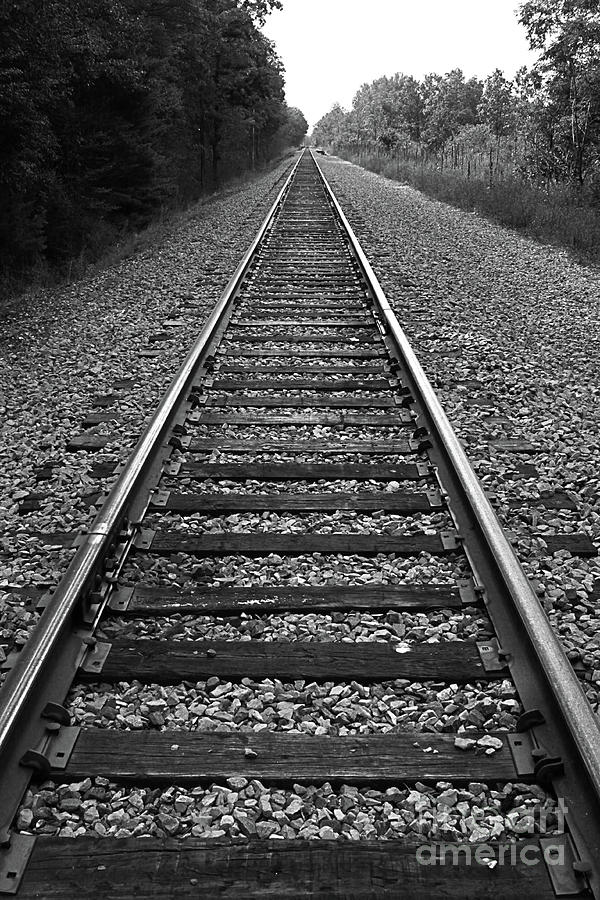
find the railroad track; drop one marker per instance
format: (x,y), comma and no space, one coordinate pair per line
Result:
(301,478)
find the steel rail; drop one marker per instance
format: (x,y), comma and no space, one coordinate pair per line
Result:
(577,714)
(36,657)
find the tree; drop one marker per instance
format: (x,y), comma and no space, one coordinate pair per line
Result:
(497,106)
(293,130)
(108,111)
(450,103)
(389,111)
(260,9)
(567,32)
(330,129)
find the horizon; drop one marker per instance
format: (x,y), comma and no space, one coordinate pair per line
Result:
(469,35)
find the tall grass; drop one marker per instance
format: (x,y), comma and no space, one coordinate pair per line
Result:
(560,214)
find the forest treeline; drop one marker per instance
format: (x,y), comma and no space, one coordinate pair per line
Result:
(525,150)
(111,111)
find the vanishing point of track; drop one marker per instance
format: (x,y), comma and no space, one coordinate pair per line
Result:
(303,351)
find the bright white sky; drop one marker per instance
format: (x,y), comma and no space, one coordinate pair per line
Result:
(331,47)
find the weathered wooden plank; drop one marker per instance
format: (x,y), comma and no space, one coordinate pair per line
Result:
(102,470)
(297,253)
(286,369)
(286,352)
(294,503)
(34,502)
(276,401)
(558,500)
(325,300)
(289,250)
(527,470)
(340,311)
(442,354)
(290,255)
(192,868)
(289,258)
(517,468)
(100,418)
(232,417)
(305,322)
(578,544)
(165,599)
(306,292)
(264,543)
(286,262)
(298,384)
(303,337)
(104,400)
(26,591)
(412,325)
(324,303)
(169,662)
(495,420)
(46,471)
(514,445)
(299,471)
(296,267)
(180,757)
(89,442)
(394,447)
(259,311)
(63,539)
(294,260)
(479,402)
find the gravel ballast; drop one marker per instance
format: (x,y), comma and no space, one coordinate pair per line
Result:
(316,569)
(393,627)
(525,320)
(62,348)
(248,809)
(300,706)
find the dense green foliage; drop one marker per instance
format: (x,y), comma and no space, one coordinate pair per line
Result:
(110,111)
(542,127)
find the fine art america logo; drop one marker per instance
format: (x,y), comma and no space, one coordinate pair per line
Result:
(550,845)
(553,853)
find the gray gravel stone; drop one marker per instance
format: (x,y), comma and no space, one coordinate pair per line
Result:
(302,706)
(60,348)
(396,627)
(525,320)
(426,813)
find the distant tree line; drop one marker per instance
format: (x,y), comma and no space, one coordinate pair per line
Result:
(112,110)
(542,127)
